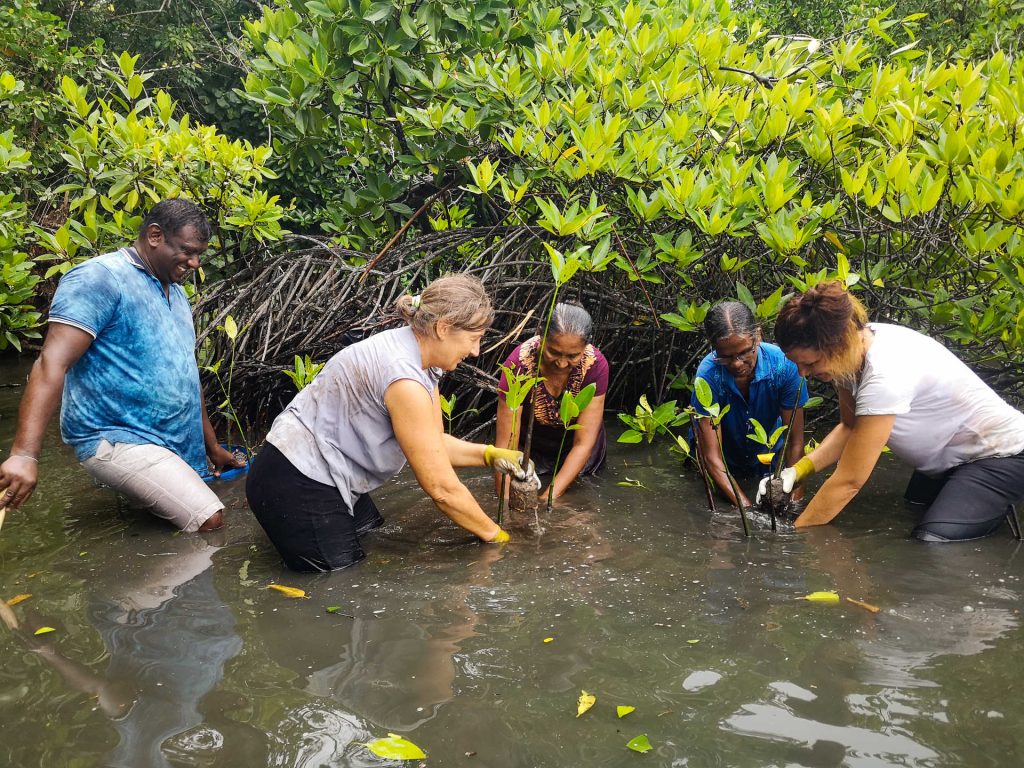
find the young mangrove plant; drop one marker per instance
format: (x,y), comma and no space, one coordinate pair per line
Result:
(227,408)
(448,411)
(715,413)
(303,372)
(562,269)
(568,411)
(761,437)
(647,423)
(519,387)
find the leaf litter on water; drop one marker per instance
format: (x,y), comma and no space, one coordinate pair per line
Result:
(622,711)
(394,747)
(586,701)
(288,591)
(640,744)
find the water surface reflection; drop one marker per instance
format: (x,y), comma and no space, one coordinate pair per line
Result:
(170,651)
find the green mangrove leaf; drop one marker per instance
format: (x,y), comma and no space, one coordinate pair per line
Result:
(703,391)
(631,436)
(640,743)
(394,747)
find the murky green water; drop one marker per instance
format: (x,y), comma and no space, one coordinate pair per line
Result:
(170,651)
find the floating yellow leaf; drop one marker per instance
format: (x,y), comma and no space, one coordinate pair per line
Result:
(865,606)
(765,458)
(623,711)
(394,747)
(18,599)
(548,639)
(586,702)
(693,642)
(44,630)
(288,591)
(832,598)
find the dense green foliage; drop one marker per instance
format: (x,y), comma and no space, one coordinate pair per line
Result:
(87,147)
(685,151)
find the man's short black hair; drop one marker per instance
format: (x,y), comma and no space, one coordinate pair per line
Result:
(175,214)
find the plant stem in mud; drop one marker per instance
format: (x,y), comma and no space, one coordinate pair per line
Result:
(554,472)
(704,474)
(789,431)
(733,485)
(540,358)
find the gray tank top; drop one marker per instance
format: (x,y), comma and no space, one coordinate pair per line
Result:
(337,430)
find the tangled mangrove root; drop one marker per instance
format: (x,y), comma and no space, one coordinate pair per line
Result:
(317,299)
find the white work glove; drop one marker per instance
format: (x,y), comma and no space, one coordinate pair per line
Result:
(788,477)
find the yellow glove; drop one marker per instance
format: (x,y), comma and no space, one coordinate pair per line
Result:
(501,537)
(510,462)
(501,458)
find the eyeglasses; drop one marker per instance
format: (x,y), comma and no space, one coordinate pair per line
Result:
(744,356)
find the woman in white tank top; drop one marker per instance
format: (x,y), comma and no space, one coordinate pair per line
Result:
(900,388)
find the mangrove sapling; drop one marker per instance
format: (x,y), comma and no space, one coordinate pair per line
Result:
(568,411)
(715,413)
(448,411)
(562,269)
(303,372)
(647,422)
(519,387)
(774,501)
(227,407)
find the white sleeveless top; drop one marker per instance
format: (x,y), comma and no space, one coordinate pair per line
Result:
(337,430)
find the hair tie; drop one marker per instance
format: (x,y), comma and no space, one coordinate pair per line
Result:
(414,302)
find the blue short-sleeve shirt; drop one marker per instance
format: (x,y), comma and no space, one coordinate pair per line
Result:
(137,382)
(773,388)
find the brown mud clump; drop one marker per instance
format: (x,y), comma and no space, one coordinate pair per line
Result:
(776,502)
(522,497)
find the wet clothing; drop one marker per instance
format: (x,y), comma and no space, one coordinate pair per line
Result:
(969,501)
(157,480)
(138,382)
(547,429)
(308,521)
(336,434)
(964,441)
(773,389)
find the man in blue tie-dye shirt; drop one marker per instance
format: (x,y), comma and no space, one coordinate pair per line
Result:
(121,349)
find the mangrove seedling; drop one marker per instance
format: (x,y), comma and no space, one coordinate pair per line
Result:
(303,372)
(715,413)
(767,442)
(448,410)
(227,407)
(519,387)
(568,411)
(562,269)
(647,423)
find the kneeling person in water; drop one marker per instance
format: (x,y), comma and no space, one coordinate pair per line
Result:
(374,406)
